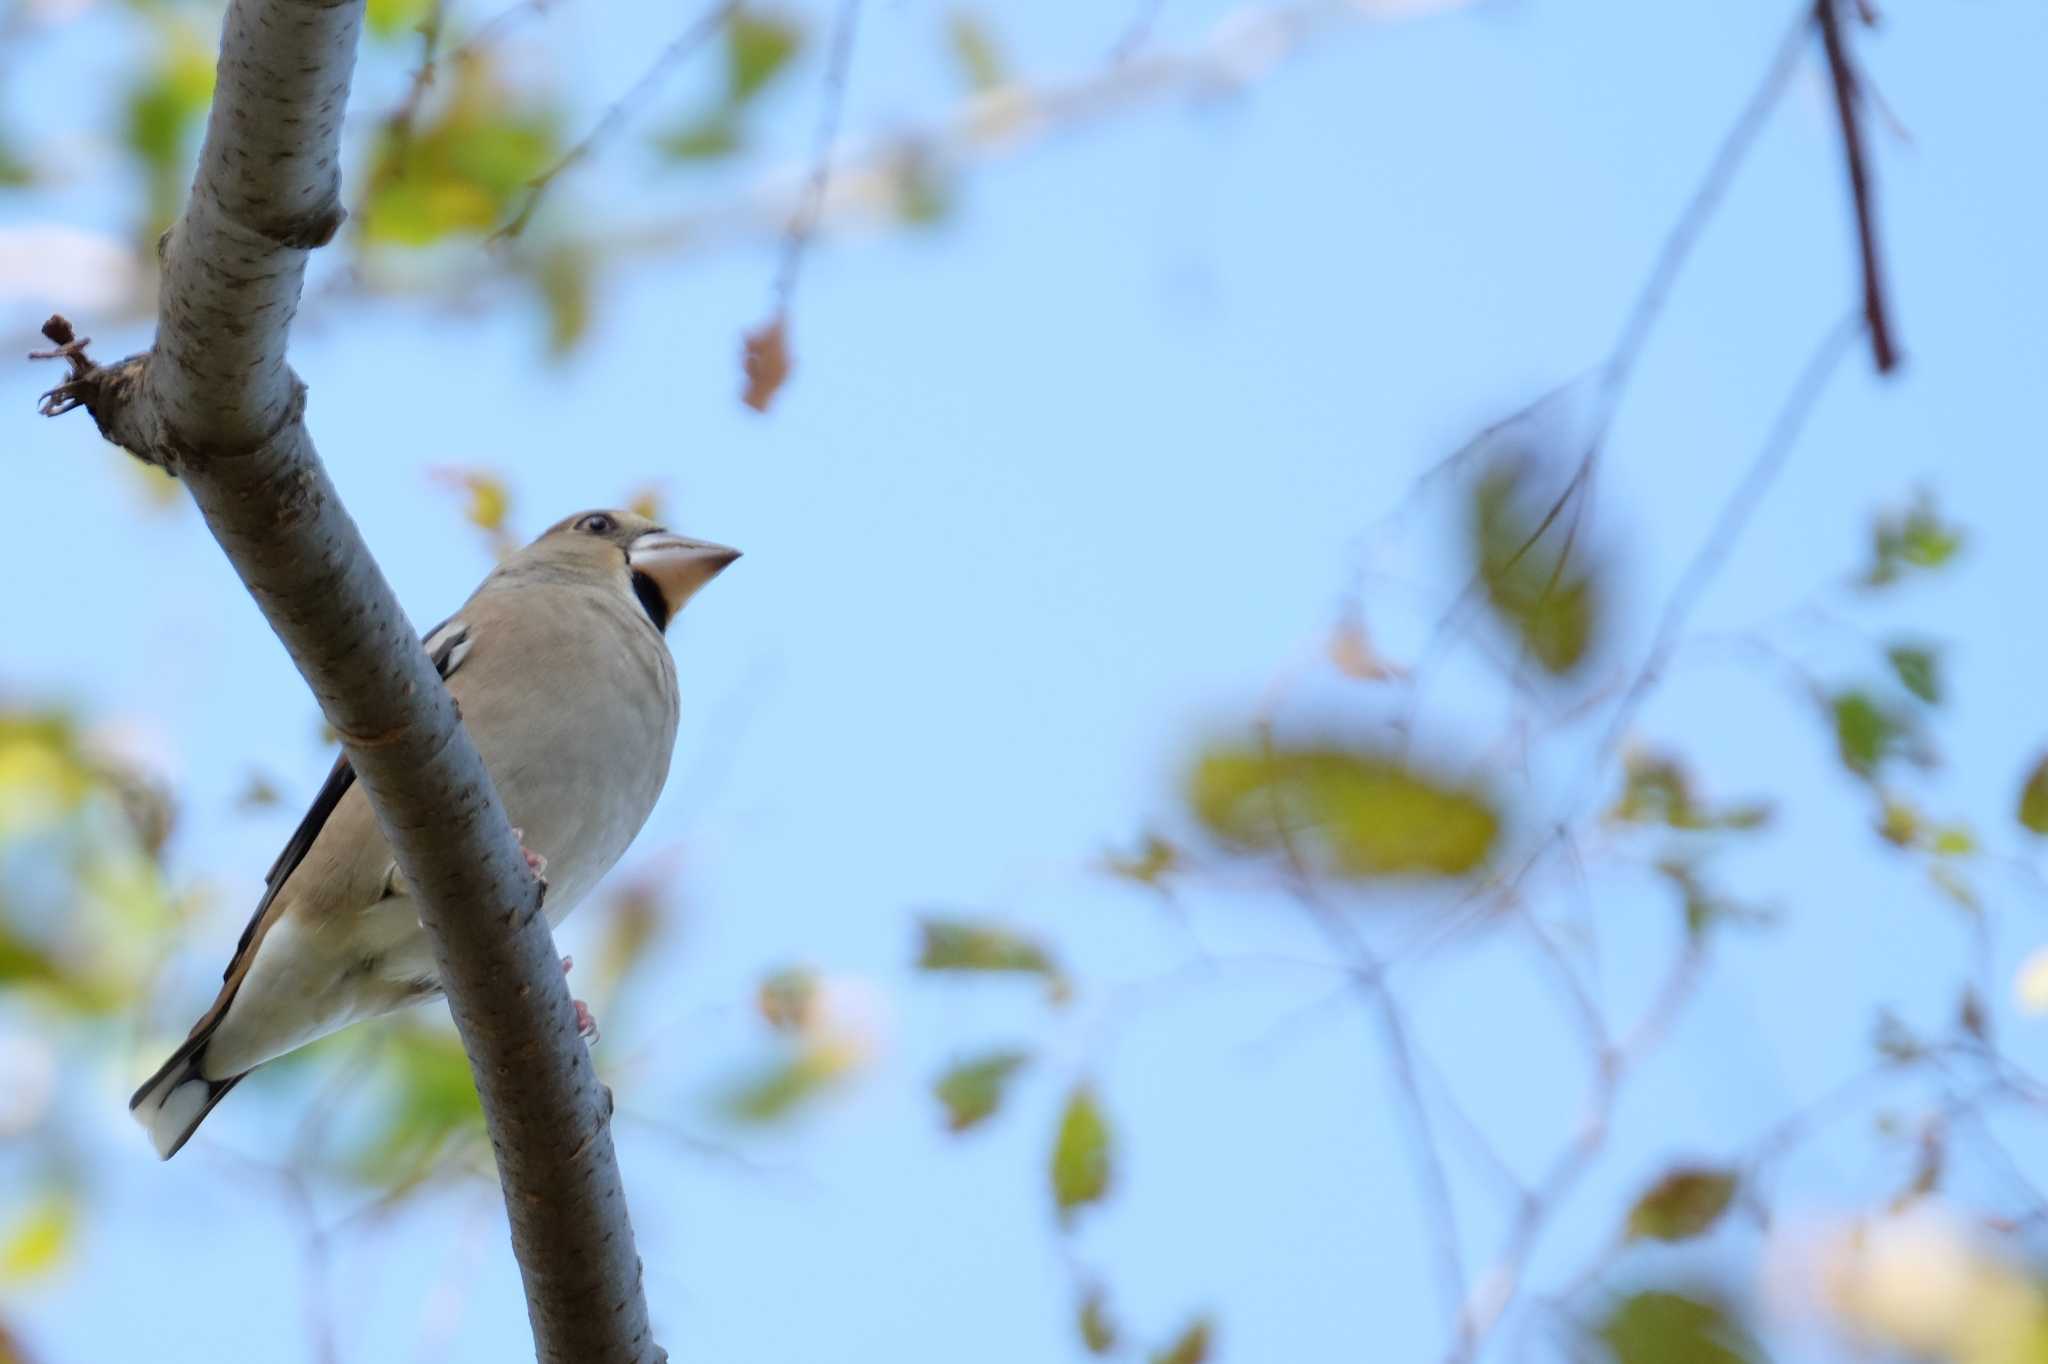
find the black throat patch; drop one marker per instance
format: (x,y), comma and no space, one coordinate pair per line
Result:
(651,600)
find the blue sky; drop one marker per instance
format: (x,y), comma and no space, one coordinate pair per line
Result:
(1057,488)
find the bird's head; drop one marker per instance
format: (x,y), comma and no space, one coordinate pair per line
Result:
(661,569)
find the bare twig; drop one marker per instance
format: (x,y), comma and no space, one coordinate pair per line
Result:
(803,225)
(1729,524)
(1848,106)
(701,30)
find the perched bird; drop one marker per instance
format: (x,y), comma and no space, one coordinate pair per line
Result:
(565,684)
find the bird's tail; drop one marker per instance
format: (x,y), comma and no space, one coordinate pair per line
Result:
(173,1102)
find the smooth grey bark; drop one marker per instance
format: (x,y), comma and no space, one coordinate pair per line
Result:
(215,403)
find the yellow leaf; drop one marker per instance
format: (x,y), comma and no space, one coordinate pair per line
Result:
(37,1242)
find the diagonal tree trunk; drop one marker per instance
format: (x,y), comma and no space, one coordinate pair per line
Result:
(214,402)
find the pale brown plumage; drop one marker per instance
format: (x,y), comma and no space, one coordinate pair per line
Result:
(567,688)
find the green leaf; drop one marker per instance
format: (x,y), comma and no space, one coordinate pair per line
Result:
(973,1090)
(1098,1331)
(1866,732)
(706,137)
(459,171)
(1670,1328)
(1537,583)
(2033,811)
(979,945)
(1155,860)
(564,278)
(1918,671)
(1657,790)
(165,107)
(1191,1346)
(1915,539)
(974,48)
(757,48)
(1363,814)
(1685,1203)
(1080,1154)
(776,1091)
(395,18)
(431,1101)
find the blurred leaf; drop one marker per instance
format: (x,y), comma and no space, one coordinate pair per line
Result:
(459,170)
(1670,1328)
(766,362)
(2033,812)
(1350,650)
(1914,539)
(1685,1203)
(1954,840)
(1098,1332)
(778,1089)
(974,48)
(431,1100)
(258,792)
(564,277)
(1368,815)
(634,918)
(1705,908)
(1657,790)
(1154,861)
(490,500)
(757,48)
(1896,1042)
(1191,1346)
(39,1239)
(1537,584)
(1080,1155)
(706,137)
(646,502)
(786,998)
(923,189)
(15,171)
(1918,670)
(973,1090)
(164,107)
(978,945)
(394,18)
(1867,733)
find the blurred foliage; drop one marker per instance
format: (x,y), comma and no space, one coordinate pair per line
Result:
(1657,1327)
(1098,1332)
(1081,1154)
(972,1090)
(975,945)
(166,107)
(1658,790)
(1191,1346)
(1536,575)
(459,168)
(759,47)
(39,1238)
(2033,806)
(1363,814)
(1911,540)
(975,51)
(1683,1204)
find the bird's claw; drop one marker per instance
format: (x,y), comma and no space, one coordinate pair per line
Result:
(586,1022)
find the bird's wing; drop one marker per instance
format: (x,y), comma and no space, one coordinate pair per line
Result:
(448,645)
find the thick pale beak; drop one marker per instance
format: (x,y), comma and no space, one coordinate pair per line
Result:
(677,565)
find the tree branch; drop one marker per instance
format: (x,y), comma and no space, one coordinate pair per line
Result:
(214,402)
(1848,94)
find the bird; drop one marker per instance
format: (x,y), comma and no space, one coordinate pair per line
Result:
(560,668)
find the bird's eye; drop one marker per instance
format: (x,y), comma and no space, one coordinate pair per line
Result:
(597,523)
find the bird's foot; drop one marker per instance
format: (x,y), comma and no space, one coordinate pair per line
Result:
(535,863)
(586,1022)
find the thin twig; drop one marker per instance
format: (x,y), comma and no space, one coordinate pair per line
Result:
(701,30)
(1848,106)
(803,225)
(1728,526)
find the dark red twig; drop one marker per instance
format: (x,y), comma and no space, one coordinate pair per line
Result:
(1848,104)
